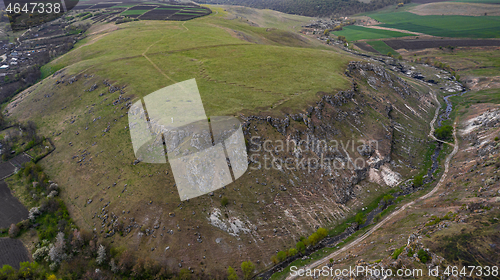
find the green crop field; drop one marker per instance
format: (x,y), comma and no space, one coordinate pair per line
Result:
(133,12)
(442,26)
(382,48)
(354,33)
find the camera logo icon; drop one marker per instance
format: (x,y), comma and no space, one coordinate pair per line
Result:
(205,154)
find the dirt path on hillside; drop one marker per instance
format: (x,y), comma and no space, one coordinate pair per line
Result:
(324,260)
(152,63)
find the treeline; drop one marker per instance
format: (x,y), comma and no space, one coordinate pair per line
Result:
(301,246)
(312,8)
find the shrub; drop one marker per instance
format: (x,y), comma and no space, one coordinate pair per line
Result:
(418,181)
(387,199)
(397,252)
(301,247)
(444,133)
(423,256)
(224,201)
(231,274)
(281,256)
(247,268)
(313,239)
(410,253)
(322,233)
(360,218)
(13,231)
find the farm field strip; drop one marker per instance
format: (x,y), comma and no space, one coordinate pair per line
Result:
(354,33)
(442,26)
(11,210)
(382,47)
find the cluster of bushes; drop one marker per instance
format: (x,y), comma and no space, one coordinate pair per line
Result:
(397,252)
(27,270)
(437,220)
(342,38)
(247,269)
(301,246)
(441,65)
(423,256)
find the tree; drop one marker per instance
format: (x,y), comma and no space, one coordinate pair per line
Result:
(281,256)
(313,239)
(126,262)
(52,277)
(274,259)
(301,247)
(292,252)
(360,218)
(322,233)
(231,274)
(13,231)
(56,252)
(444,133)
(247,267)
(423,256)
(387,199)
(224,201)
(418,181)
(7,271)
(101,255)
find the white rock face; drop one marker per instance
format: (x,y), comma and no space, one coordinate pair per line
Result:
(233,225)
